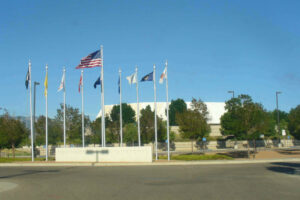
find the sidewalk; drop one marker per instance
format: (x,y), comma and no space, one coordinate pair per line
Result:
(155,163)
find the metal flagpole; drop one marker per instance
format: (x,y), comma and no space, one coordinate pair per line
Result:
(46,113)
(102,100)
(82,109)
(31,119)
(121,119)
(155,120)
(64,85)
(138,105)
(167,94)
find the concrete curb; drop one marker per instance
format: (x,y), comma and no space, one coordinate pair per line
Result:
(171,163)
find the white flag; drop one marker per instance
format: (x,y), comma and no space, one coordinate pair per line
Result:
(62,83)
(132,78)
(163,76)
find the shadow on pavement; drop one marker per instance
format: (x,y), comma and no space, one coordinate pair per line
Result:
(286,168)
(289,151)
(237,154)
(29,172)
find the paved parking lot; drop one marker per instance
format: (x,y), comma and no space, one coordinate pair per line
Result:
(239,181)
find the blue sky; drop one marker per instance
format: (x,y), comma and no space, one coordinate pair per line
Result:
(251,47)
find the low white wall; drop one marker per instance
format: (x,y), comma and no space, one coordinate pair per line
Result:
(105,154)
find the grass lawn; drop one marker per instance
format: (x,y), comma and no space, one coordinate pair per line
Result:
(17,152)
(11,160)
(190,157)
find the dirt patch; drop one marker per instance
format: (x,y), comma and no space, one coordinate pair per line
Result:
(281,153)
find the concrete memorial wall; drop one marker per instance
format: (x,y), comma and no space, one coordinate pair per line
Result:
(104,154)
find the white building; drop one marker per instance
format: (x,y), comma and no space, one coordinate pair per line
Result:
(215,109)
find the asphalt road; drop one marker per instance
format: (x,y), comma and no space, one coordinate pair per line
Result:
(242,181)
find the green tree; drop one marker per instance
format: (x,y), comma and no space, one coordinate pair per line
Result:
(95,137)
(113,125)
(283,121)
(73,123)
(176,106)
(14,131)
(130,135)
(147,126)
(111,134)
(55,131)
(193,122)
(294,122)
(128,114)
(245,119)
(3,136)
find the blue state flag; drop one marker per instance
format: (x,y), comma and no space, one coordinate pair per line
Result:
(148,77)
(98,82)
(27,79)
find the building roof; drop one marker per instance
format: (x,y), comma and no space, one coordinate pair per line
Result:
(215,109)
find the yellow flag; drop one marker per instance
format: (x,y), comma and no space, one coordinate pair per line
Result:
(46,84)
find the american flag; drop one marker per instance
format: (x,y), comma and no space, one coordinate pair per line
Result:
(92,60)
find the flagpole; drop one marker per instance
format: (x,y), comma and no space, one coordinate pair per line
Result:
(121,119)
(31,119)
(167,95)
(82,110)
(155,119)
(102,100)
(138,106)
(64,74)
(46,92)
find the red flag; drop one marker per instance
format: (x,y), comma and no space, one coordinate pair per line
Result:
(80,83)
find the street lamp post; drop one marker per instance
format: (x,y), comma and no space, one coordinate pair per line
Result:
(277,93)
(231,91)
(34,99)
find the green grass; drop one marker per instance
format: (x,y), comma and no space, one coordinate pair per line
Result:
(11,160)
(17,152)
(191,157)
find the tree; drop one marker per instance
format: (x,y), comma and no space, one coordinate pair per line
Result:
(130,133)
(128,114)
(176,106)
(13,130)
(111,135)
(294,122)
(3,135)
(95,138)
(113,124)
(73,123)
(55,131)
(193,122)
(283,121)
(147,126)
(245,119)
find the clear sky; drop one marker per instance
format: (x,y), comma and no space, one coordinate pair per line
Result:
(251,47)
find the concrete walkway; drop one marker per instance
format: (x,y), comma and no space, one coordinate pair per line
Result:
(155,163)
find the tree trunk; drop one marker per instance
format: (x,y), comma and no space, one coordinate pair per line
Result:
(13,150)
(254,142)
(248,149)
(192,146)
